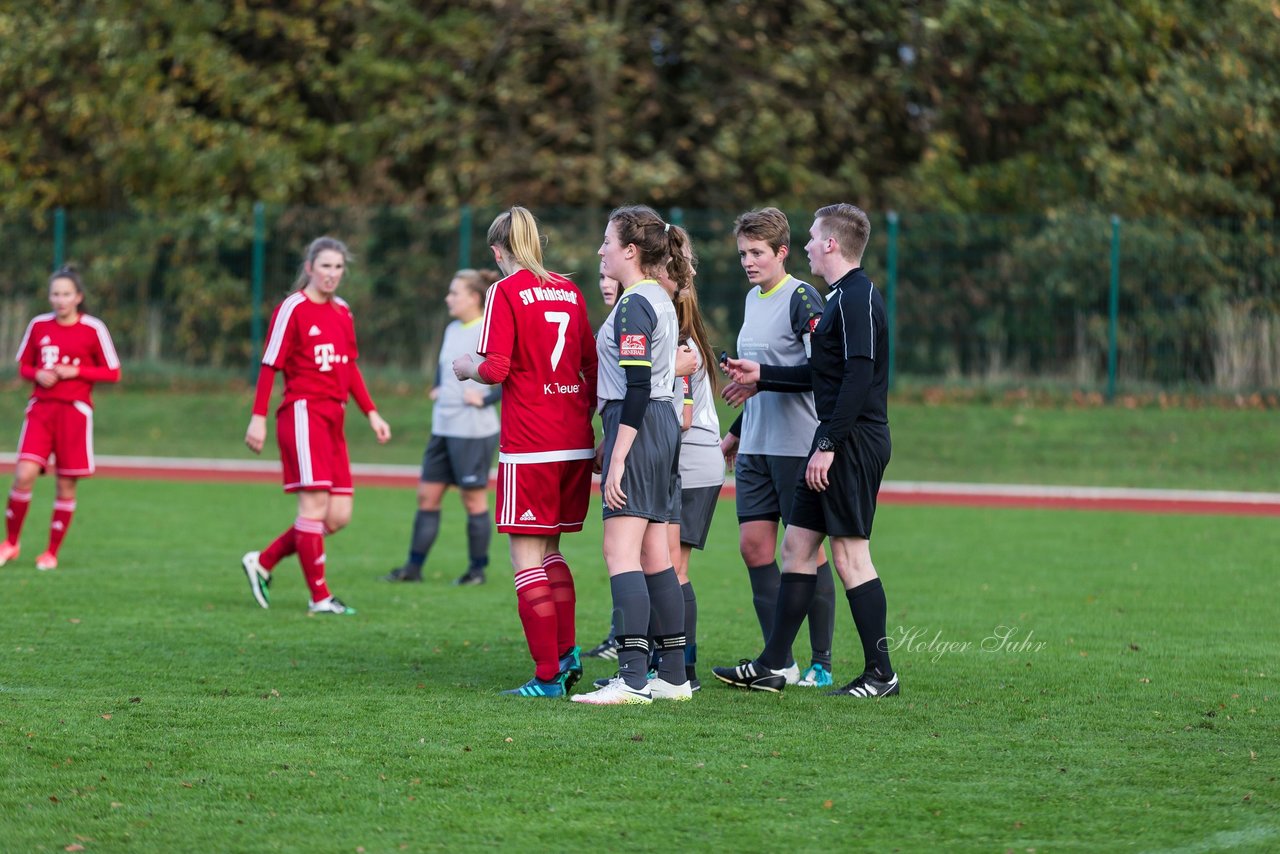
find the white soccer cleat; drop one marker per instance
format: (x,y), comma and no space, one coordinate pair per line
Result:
(331,605)
(661,689)
(616,693)
(791,674)
(259,578)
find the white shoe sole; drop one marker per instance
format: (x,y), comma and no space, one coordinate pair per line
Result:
(661,689)
(250,564)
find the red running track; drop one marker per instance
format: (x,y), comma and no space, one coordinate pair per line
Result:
(892,492)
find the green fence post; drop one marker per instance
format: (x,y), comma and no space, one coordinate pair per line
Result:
(891,288)
(464,238)
(59,237)
(259,275)
(1113,309)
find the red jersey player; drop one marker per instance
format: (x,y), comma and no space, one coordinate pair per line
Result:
(537,342)
(313,342)
(63,353)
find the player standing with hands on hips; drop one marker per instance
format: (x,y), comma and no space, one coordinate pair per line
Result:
(63,353)
(536,342)
(849,374)
(313,342)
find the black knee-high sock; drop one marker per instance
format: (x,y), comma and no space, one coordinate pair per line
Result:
(764,594)
(870,611)
(426,525)
(479,532)
(666,623)
(795,595)
(631,622)
(822,617)
(690,625)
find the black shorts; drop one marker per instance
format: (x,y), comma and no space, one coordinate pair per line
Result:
(653,464)
(847,507)
(458,461)
(765,486)
(697,507)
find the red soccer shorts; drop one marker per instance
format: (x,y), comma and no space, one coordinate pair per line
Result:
(541,499)
(313,448)
(61,429)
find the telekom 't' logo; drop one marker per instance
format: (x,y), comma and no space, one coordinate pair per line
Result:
(325,356)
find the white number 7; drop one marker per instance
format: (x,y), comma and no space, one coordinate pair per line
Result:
(561,320)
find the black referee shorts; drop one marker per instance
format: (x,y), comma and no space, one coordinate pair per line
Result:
(847,507)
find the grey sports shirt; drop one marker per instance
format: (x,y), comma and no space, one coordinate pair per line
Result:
(641,330)
(451,416)
(775,331)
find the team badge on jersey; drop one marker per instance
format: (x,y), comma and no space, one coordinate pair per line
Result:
(813,322)
(632,345)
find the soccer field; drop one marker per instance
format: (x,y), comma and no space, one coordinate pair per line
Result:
(1071,681)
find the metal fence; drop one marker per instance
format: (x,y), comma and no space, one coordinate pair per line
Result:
(1077,299)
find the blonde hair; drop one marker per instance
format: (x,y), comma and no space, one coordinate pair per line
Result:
(849,225)
(478,281)
(515,231)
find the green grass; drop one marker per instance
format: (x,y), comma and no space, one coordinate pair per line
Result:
(147,704)
(1207,448)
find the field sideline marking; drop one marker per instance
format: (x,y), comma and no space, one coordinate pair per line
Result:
(925,493)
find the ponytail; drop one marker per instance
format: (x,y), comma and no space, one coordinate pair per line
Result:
(515,231)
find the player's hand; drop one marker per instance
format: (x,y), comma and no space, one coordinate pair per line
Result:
(472,397)
(742,371)
(46,378)
(256,436)
(735,394)
(815,474)
(434,393)
(597,465)
(611,489)
(381,428)
(464,368)
(729,448)
(66,372)
(686,361)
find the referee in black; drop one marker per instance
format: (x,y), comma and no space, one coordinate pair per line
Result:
(848,371)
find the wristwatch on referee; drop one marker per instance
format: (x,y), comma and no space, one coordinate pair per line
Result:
(825,444)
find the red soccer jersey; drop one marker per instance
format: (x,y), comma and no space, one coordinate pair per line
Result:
(545,332)
(85,344)
(314,343)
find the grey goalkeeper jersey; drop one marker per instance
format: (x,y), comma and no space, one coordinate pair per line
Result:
(775,331)
(641,330)
(451,416)
(701,463)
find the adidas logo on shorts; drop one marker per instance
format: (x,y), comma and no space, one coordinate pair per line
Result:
(528,517)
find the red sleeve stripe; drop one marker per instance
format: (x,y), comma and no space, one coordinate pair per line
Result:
(276,341)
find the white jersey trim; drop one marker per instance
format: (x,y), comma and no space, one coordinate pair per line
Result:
(22,345)
(278,329)
(549,456)
(104,339)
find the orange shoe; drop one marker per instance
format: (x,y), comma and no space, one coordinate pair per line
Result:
(48,560)
(8,551)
